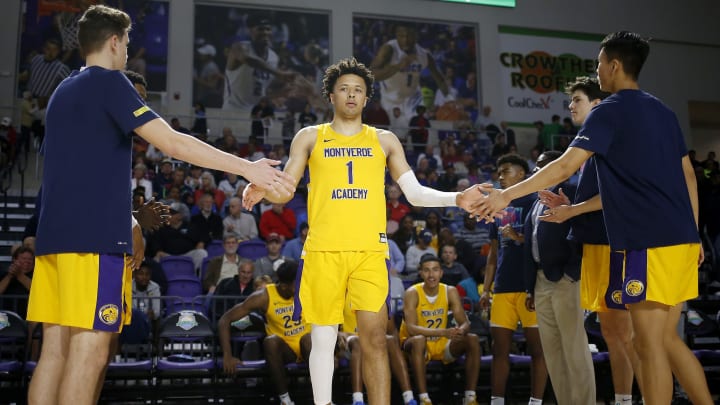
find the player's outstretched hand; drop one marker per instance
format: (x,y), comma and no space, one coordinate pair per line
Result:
(264,175)
(552,200)
(251,196)
(152,215)
(558,215)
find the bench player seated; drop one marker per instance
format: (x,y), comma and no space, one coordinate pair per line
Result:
(425,334)
(286,341)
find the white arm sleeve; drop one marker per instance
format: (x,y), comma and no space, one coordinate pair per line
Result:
(134,221)
(422,196)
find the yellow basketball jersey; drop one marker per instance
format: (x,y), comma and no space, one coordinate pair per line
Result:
(346,192)
(278,318)
(429,315)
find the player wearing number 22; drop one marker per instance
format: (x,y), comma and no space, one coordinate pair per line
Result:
(346,251)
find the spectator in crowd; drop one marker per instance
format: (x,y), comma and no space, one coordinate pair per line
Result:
(280,220)
(175,124)
(307,117)
(710,163)
(433,224)
(146,293)
(268,264)
(419,125)
(397,208)
(399,123)
(416,251)
(425,334)
(500,147)
(16,280)
(228,142)
(550,131)
(208,186)
(230,184)
(200,124)
(222,267)
(239,285)
(239,223)
(139,180)
(163,178)
(448,180)
(206,224)
(193,177)
(285,342)
(453,271)
(262,116)
(176,239)
(432,156)
(375,115)
(405,235)
(485,120)
(178,181)
(293,248)
(46,71)
(477,234)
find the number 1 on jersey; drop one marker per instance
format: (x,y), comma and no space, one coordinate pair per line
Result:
(350,172)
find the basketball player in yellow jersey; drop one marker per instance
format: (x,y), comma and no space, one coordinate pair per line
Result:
(286,341)
(346,250)
(426,335)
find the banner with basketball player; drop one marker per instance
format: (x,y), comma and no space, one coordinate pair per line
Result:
(245,54)
(432,64)
(49,47)
(536,66)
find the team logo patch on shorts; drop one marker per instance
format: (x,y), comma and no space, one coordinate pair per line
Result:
(617,297)
(108,314)
(634,288)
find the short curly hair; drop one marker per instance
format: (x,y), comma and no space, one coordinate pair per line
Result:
(344,67)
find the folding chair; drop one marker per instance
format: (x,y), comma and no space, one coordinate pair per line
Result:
(177,266)
(187,351)
(252,249)
(13,341)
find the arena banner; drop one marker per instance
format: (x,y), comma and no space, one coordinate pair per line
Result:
(245,54)
(426,63)
(49,34)
(536,66)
